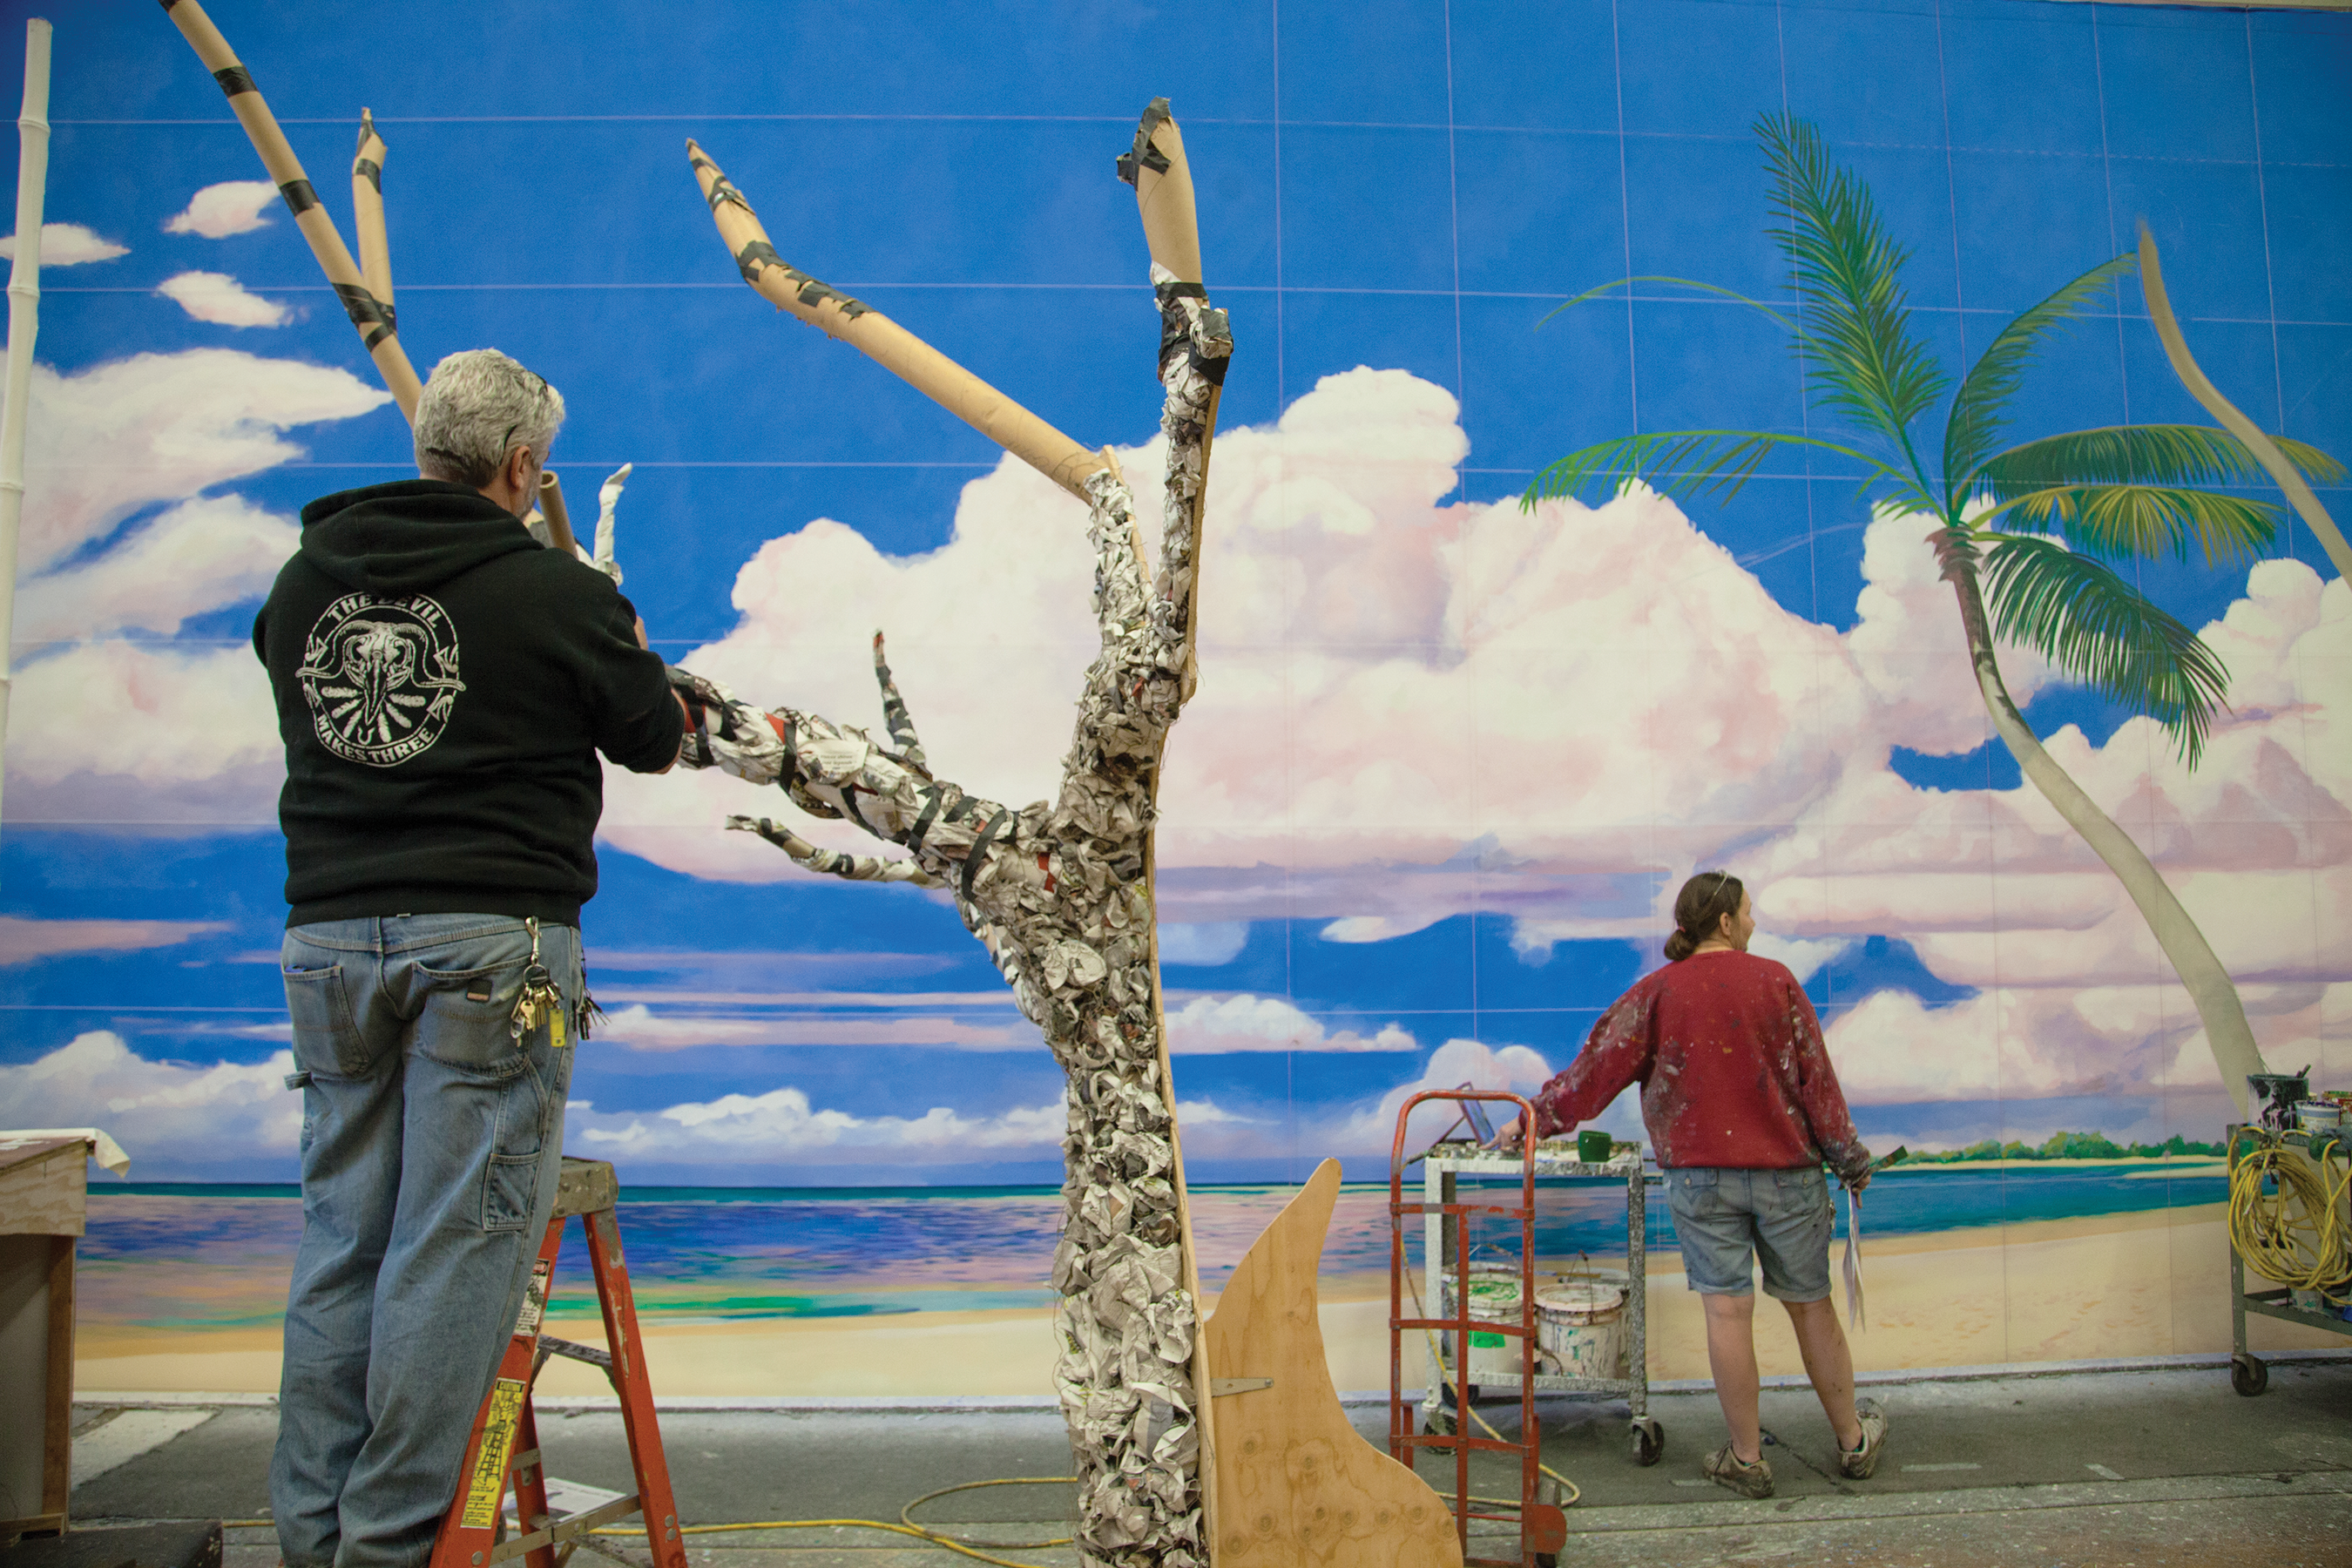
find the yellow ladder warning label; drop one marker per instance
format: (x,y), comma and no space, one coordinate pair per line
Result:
(487,1487)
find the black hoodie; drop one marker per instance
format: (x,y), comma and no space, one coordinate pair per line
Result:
(443,685)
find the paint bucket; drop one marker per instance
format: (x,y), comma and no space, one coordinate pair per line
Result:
(1581,1326)
(1592,1147)
(1494,1298)
(2319,1116)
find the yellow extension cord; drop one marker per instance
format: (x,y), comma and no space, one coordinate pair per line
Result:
(2298,1234)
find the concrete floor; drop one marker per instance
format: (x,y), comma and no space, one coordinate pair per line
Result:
(2101,1467)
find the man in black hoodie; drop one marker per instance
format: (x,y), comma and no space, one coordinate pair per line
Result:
(443,684)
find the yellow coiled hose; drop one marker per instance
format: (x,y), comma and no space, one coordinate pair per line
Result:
(2288,1217)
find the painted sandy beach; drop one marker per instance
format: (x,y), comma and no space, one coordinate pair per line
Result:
(737,1302)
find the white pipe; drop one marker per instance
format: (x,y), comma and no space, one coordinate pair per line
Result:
(24,324)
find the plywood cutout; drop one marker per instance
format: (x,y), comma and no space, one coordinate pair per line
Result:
(1296,1486)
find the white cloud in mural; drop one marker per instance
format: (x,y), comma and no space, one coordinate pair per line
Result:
(68,245)
(1410,708)
(233,207)
(123,732)
(1207,1026)
(782,1126)
(106,441)
(195,557)
(217,298)
(155,1109)
(641,1028)
(149,732)
(23,941)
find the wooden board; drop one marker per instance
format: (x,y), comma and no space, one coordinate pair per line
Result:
(1296,1487)
(43,1186)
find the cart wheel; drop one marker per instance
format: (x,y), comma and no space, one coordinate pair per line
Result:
(1649,1440)
(1439,1423)
(2248,1375)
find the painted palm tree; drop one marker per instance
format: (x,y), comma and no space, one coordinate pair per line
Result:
(2025,532)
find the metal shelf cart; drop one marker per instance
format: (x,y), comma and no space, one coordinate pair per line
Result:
(2248,1375)
(1441,1169)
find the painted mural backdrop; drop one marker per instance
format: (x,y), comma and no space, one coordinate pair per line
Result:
(1450,757)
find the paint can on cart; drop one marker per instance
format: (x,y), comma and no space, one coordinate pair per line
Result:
(1581,1326)
(1494,1298)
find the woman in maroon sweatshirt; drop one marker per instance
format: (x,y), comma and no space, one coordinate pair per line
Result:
(1743,1110)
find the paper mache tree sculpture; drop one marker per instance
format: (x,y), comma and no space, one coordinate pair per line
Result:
(1058,892)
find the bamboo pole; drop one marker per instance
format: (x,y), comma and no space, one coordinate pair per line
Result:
(2201,387)
(371,316)
(24,326)
(884,340)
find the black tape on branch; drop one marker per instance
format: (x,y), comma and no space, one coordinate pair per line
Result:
(300,196)
(369,314)
(234,80)
(371,169)
(813,293)
(980,848)
(723,189)
(756,254)
(1144,155)
(169,4)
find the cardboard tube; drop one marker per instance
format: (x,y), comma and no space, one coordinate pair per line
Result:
(367,312)
(367,211)
(885,342)
(2265,451)
(1164,196)
(559,520)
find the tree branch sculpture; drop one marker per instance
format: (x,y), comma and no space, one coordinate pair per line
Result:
(1058,892)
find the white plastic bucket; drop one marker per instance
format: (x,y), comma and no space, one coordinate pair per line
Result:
(1581,1326)
(1494,1298)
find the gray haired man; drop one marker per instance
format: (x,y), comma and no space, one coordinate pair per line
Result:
(444,686)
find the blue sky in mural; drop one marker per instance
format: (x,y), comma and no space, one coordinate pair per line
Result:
(1410,186)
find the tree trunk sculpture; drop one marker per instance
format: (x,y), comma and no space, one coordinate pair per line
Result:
(1060,894)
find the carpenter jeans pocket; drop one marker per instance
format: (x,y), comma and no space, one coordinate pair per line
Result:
(327,1037)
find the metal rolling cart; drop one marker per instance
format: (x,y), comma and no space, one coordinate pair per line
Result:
(2248,1375)
(1442,1169)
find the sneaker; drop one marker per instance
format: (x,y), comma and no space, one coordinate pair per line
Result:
(1727,1469)
(1856,1464)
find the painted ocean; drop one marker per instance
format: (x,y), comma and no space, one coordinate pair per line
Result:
(194,1258)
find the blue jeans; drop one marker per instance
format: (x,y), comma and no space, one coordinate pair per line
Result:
(431,1144)
(1728,1220)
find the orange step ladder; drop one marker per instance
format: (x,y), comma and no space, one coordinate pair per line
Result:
(503,1449)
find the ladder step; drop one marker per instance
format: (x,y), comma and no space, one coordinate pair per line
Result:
(588,1353)
(619,1508)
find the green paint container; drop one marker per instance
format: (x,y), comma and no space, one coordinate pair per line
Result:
(1592,1147)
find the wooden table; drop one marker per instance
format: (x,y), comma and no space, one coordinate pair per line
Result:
(43,1185)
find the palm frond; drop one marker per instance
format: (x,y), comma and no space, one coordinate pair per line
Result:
(2145,521)
(1848,275)
(1677,463)
(1979,408)
(2081,617)
(2141,453)
(1598,289)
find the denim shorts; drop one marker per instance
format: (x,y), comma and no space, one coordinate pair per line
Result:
(1727,1219)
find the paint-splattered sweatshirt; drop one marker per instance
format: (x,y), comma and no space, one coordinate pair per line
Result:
(1731,1064)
